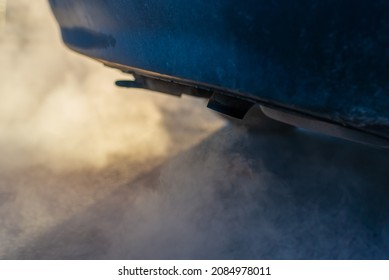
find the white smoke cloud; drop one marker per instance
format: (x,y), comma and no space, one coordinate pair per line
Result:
(64,109)
(68,136)
(89,171)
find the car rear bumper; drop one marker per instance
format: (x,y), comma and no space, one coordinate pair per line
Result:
(325,60)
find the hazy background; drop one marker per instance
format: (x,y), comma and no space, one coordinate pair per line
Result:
(90,171)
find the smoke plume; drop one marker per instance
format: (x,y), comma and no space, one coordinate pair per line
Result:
(90,171)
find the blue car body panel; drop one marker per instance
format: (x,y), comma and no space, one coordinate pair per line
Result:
(326,59)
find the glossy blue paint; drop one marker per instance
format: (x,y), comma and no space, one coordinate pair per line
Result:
(325,58)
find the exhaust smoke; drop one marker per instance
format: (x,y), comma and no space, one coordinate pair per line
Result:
(90,171)
(67,135)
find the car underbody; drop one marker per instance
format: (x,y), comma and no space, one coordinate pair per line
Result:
(319,65)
